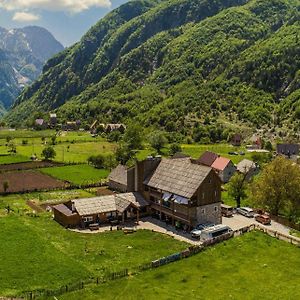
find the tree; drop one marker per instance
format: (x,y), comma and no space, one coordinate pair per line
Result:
(98,161)
(12,147)
(277,189)
(48,153)
(53,139)
(5,186)
(175,148)
(157,140)
(8,139)
(237,188)
(133,136)
(123,154)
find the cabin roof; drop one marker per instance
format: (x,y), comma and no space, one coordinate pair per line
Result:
(178,176)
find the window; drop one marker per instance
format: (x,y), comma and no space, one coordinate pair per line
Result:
(216,208)
(202,211)
(88,219)
(111,214)
(203,195)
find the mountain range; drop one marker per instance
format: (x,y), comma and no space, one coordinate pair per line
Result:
(23,53)
(175,64)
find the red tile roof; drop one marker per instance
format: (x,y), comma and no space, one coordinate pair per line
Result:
(207,158)
(220,163)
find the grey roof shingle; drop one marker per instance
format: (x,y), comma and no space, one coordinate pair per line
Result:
(105,204)
(178,176)
(119,175)
(245,166)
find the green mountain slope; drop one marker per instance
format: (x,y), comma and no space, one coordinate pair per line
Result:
(173,63)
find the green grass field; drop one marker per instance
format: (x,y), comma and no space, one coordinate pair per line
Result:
(77,174)
(12,159)
(36,252)
(254,266)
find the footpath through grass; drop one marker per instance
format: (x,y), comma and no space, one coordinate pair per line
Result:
(248,267)
(77,174)
(37,253)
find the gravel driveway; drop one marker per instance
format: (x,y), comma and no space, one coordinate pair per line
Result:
(238,221)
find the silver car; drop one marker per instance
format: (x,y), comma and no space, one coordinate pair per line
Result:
(245,211)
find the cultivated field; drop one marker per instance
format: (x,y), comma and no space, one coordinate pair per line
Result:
(77,174)
(25,181)
(27,165)
(253,266)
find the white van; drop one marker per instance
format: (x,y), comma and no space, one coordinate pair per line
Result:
(215,231)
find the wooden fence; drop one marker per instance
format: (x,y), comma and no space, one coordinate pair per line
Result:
(192,250)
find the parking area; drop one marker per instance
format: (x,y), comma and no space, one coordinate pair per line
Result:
(238,221)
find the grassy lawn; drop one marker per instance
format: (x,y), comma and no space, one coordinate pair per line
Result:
(59,196)
(249,267)
(11,159)
(77,174)
(36,252)
(196,151)
(67,152)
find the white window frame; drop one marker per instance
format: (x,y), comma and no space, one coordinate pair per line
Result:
(88,219)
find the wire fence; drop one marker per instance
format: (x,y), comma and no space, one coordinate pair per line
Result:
(190,251)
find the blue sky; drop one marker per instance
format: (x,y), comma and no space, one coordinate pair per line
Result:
(67,20)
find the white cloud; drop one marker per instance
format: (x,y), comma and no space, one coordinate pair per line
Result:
(72,6)
(25,17)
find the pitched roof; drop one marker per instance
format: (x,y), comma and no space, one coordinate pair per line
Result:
(178,176)
(288,149)
(220,163)
(119,174)
(63,209)
(245,166)
(105,204)
(207,158)
(96,205)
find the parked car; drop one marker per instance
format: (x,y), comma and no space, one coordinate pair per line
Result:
(215,231)
(245,211)
(227,211)
(263,219)
(233,153)
(198,229)
(242,153)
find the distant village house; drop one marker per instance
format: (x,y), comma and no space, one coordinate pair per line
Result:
(223,166)
(288,150)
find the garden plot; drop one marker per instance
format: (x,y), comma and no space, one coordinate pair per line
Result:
(26,181)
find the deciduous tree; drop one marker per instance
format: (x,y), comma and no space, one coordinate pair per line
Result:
(277,189)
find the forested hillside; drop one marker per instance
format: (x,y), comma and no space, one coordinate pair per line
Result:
(177,64)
